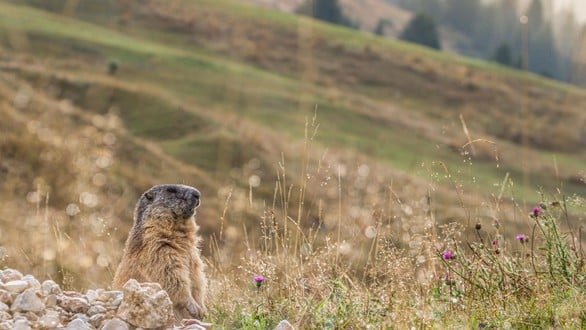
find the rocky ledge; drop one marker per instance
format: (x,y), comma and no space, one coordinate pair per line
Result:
(25,303)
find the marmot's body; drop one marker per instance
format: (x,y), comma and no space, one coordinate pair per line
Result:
(163,247)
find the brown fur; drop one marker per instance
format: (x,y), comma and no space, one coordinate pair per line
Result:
(163,247)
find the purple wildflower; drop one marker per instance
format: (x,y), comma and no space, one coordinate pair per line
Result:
(448,255)
(495,242)
(521,238)
(536,211)
(258,280)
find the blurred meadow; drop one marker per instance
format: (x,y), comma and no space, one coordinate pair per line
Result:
(372,182)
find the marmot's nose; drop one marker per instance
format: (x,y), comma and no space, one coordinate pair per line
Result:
(192,195)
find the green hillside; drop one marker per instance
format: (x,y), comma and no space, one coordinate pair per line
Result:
(275,118)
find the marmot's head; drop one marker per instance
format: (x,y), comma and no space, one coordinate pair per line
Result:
(173,202)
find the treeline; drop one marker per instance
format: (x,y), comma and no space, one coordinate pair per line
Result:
(544,44)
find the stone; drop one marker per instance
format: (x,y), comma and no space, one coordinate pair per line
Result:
(8,275)
(115,324)
(32,282)
(6,325)
(116,302)
(91,296)
(21,324)
(51,301)
(77,324)
(50,287)
(284,325)
(73,304)
(5,297)
(145,305)
(16,286)
(28,301)
(5,316)
(96,309)
(50,320)
(96,320)
(109,295)
(4,307)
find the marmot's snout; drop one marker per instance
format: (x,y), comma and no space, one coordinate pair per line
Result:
(192,199)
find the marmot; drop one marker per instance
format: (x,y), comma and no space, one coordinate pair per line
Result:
(163,247)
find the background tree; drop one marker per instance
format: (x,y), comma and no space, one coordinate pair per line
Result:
(325,10)
(422,29)
(503,55)
(381,26)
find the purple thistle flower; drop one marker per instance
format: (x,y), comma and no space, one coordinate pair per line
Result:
(258,280)
(495,242)
(521,238)
(536,211)
(448,255)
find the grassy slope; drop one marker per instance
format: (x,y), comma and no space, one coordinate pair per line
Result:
(193,74)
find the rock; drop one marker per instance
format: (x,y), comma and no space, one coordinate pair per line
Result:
(21,324)
(109,295)
(8,275)
(5,316)
(115,324)
(30,316)
(96,309)
(16,286)
(73,304)
(51,300)
(4,307)
(28,301)
(91,296)
(77,324)
(49,320)
(194,324)
(116,302)
(49,287)
(5,297)
(32,282)
(96,320)
(145,305)
(6,325)
(284,325)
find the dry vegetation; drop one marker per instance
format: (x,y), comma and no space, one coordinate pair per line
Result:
(345,217)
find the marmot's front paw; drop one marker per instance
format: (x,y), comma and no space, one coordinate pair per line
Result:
(196,310)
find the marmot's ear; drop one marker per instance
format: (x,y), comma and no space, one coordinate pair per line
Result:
(149,195)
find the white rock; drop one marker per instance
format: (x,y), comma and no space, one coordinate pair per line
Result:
(6,325)
(8,275)
(96,320)
(145,305)
(73,304)
(96,309)
(21,325)
(109,295)
(77,324)
(284,325)
(91,296)
(16,286)
(28,301)
(5,316)
(5,297)
(4,307)
(32,282)
(49,287)
(51,301)
(115,324)
(50,320)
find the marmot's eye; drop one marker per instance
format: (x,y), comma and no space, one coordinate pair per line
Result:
(172,190)
(149,196)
